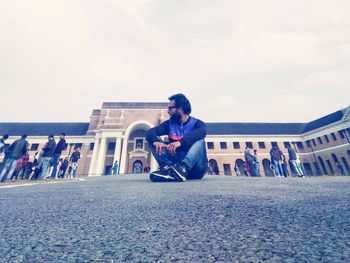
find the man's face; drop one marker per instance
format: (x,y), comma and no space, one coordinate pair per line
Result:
(61,136)
(171,107)
(173,111)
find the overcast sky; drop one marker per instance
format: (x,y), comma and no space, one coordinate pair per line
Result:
(236,60)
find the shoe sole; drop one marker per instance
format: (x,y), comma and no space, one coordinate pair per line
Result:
(177,175)
(155,177)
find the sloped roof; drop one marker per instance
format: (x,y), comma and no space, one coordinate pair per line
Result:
(217,128)
(214,128)
(324,121)
(43,129)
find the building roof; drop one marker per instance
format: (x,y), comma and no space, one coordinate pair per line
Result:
(214,128)
(43,128)
(134,105)
(324,121)
(238,128)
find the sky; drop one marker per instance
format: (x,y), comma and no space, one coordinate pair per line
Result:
(236,60)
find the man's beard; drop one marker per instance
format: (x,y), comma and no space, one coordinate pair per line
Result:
(176,117)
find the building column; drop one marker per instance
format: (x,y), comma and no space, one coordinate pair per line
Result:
(118,148)
(101,157)
(93,162)
(124,156)
(154,164)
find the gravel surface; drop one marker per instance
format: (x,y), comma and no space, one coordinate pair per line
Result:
(217,219)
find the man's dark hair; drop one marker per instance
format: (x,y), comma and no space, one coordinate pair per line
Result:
(63,134)
(6,136)
(24,136)
(181,101)
(51,136)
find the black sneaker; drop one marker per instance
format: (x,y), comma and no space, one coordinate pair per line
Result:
(162,175)
(179,172)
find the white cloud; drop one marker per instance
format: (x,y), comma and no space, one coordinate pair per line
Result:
(236,60)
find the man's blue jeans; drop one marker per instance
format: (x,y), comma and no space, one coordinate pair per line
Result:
(297,168)
(278,168)
(55,159)
(195,158)
(10,166)
(45,166)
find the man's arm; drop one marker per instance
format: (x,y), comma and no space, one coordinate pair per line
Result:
(197,134)
(153,133)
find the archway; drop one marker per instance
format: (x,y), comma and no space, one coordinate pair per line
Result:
(322,165)
(136,148)
(213,167)
(137,167)
(347,169)
(330,167)
(240,165)
(267,167)
(335,159)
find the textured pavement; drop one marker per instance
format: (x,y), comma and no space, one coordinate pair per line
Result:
(218,219)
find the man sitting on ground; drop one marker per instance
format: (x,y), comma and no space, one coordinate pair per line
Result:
(184,157)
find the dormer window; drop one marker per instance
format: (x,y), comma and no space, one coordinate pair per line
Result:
(139,144)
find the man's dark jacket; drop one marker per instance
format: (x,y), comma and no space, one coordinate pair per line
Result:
(75,157)
(17,148)
(187,134)
(61,146)
(49,149)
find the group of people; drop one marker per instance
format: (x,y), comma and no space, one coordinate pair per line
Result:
(46,163)
(278,162)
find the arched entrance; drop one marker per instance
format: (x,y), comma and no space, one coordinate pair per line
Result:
(335,159)
(267,167)
(137,167)
(213,167)
(347,169)
(330,167)
(136,150)
(322,165)
(240,167)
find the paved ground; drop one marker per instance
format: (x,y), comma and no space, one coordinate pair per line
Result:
(219,219)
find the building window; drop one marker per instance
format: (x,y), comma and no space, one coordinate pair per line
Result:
(320,140)
(227,169)
(333,136)
(138,143)
(286,144)
(78,145)
(92,145)
(261,145)
(341,133)
(326,138)
(34,146)
(300,145)
(308,143)
(249,145)
(330,167)
(111,146)
(313,142)
(223,145)
(274,144)
(210,145)
(236,145)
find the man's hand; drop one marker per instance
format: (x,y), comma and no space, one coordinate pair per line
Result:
(159,147)
(173,146)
